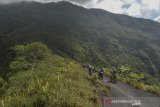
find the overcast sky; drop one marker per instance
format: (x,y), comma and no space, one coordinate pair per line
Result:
(149,9)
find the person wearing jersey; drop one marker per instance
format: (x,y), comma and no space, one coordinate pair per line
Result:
(113,77)
(90,70)
(101,73)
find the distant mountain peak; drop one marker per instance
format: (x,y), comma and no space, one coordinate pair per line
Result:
(64,2)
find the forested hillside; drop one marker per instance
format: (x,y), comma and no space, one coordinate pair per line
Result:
(86,35)
(42,47)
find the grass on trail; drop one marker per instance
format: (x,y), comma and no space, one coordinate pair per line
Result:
(54,82)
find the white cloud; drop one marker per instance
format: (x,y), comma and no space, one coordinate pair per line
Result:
(134,10)
(157,18)
(151,4)
(108,5)
(149,9)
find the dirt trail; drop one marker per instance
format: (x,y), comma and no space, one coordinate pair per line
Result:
(122,92)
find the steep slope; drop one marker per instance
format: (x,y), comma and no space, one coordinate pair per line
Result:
(45,80)
(86,35)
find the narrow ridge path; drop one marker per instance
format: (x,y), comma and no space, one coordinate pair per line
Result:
(122,91)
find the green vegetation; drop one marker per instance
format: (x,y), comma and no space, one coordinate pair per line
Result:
(52,82)
(138,80)
(30,76)
(28,55)
(85,35)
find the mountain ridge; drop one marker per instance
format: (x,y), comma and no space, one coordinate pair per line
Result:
(86,35)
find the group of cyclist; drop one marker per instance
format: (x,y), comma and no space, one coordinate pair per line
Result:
(92,70)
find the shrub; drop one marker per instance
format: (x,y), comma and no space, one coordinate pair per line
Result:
(28,55)
(3,85)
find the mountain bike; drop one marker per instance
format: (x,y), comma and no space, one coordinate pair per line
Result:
(113,79)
